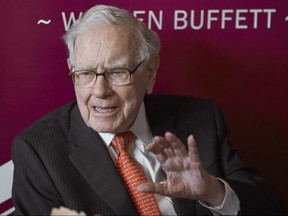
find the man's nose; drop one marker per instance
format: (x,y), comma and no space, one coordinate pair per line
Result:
(101,88)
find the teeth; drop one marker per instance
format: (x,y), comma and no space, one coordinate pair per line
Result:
(103,110)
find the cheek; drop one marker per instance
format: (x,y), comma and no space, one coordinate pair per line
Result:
(132,101)
(130,105)
(82,97)
(142,82)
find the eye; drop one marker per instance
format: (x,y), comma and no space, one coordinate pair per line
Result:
(84,74)
(118,73)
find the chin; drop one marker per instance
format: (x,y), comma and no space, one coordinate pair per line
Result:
(103,128)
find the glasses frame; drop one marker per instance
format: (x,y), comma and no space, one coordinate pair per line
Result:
(103,74)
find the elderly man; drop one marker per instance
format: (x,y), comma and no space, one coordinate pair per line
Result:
(119,150)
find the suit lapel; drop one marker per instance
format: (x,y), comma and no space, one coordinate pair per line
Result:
(92,159)
(162,117)
(162,114)
(160,122)
(163,120)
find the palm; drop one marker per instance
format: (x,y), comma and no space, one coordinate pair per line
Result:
(186,177)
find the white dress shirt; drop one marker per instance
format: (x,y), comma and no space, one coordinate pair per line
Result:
(153,171)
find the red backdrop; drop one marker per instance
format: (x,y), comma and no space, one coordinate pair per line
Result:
(234,52)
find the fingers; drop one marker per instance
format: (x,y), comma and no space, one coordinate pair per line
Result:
(192,149)
(172,153)
(169,151)
(158,150)
(194,162)
(150,187)
(168,145)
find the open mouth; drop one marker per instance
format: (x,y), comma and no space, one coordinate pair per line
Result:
(104,109)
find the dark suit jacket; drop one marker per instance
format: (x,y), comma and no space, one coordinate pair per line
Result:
(60,161)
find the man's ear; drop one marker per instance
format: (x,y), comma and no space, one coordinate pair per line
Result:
(153,65)
(69,64)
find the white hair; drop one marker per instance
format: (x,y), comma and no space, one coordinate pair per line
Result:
(109,15)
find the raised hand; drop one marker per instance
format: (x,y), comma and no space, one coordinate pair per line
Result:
(186,177)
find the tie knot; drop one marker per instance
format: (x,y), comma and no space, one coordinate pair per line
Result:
(122,140)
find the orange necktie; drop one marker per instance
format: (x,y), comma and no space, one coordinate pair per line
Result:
(133,175)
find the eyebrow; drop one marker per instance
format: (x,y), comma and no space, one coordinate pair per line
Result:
(110,67)
(117,64)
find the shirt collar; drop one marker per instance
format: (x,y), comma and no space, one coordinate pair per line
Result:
(140,128)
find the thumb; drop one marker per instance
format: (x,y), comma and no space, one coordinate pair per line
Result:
(150,187)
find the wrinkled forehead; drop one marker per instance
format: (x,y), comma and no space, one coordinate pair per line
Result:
(106,43)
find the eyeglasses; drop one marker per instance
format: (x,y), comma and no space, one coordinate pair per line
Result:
(115,76)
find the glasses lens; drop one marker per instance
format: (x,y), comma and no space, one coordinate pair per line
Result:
(120,76)
(84,78)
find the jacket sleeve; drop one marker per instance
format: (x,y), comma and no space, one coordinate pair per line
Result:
(33,192)
(256,195)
